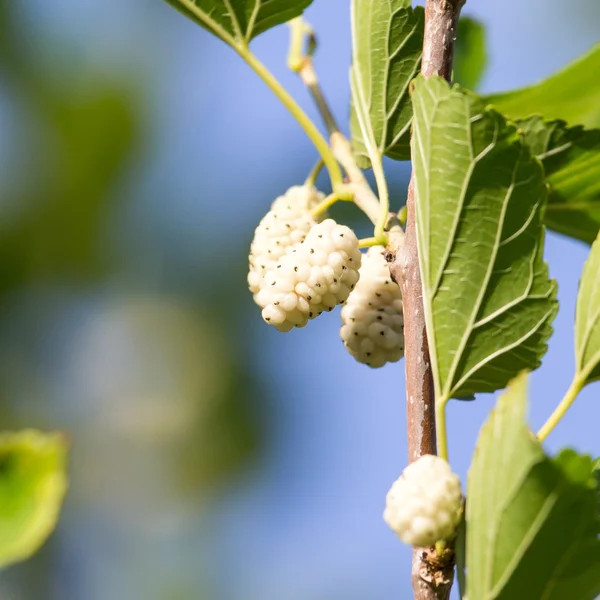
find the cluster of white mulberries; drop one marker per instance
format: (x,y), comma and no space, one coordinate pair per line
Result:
(372,319)
(299,268)
(311,277)
(287,223)
(424,505)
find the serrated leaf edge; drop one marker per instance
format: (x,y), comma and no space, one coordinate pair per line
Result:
(210,24)
(591,320)
(242,38)
(357,93)
(375,150)
(444,396)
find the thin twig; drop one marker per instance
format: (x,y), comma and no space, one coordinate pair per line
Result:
(309,77)
(364,197)
(432,576)
(303,44)
(300,61)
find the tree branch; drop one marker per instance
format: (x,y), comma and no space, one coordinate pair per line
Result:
(309,77)
(441,21)
(432,573)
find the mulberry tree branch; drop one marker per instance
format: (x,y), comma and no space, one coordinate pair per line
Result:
(300,61)
(432,571)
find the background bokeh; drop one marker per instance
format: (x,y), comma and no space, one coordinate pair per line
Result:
(212,458)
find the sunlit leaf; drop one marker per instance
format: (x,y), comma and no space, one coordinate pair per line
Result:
(571,94)
(237,22)
(532,523)
(32,487)
(587,319)
(470,53)
(387,38)
(571,158)
(480,194)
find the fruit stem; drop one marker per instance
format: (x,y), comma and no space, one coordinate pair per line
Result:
(312,176)
(372,241)
(343,195)
(384,199)
(401,216)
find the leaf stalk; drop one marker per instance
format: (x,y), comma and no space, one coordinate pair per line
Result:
(335,173)
(440,423)
(562,408)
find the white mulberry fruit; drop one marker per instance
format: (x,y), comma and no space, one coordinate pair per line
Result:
(424,505)
(286,224)
(314,276)
(372,319)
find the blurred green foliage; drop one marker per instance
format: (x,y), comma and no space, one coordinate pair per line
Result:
(75,138)
(86,139)
(470,53)
(32,487)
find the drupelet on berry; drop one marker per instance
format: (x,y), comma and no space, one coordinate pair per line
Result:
(312,277)
(287,223)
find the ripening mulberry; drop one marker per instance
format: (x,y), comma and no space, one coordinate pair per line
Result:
(286,224)
(313,276)
(372,320)
(424,505)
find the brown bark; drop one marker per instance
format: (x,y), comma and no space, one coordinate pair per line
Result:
(432,575)
(420,397)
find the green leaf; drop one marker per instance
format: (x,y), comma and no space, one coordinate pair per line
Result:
(387,38)
(32,487)
(465,398)
(470,53)
(587,319)
(237,22)
(572,94)
(532,524)
(480,194)
(571,158)
(596,473)
(460,549)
